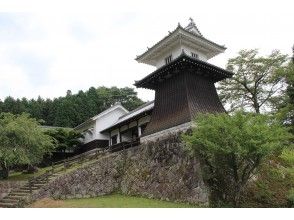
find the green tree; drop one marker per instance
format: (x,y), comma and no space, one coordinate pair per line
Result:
(9,105)
(285,105)
(22,141)
(72,109)
(65,139)
(230,149)
(255,83)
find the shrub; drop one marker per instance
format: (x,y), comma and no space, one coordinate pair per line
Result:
(231,148)
(290,198)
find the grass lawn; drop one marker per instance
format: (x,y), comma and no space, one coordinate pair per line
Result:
(110,201)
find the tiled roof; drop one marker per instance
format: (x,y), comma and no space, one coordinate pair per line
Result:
(216,72)
(186,31)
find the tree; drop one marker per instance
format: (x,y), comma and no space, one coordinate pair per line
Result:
(255,83)
(22,141)
(285,105)
(72,109)
(230,149)
(65,139)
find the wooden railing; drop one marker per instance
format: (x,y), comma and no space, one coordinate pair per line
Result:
(124,145)
(63,165)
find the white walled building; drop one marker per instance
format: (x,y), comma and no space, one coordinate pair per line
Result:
(91,129)
(114,126)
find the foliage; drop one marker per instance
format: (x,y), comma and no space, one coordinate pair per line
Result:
(274,183)
(285,105)
(65,139)
(22,141)
(230,148)
(290,198)
(287,158)
(255,83)
(73,109)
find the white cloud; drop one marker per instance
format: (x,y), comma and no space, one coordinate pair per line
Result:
(78,44)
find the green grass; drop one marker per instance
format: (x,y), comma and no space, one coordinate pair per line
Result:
(110,201)
(20,176)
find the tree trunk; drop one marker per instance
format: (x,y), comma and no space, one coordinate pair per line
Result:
(256,105)
(31,169)
(4,172)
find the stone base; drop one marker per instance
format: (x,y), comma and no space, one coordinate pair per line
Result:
(165,133)
(161,170)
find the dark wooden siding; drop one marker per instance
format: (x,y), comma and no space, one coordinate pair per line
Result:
(180,98)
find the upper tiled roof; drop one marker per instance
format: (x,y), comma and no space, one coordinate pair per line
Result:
(178,29)
(193,28)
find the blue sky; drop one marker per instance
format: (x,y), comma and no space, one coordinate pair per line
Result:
(48,47)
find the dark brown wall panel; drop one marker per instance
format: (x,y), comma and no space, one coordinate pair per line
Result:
(179,99)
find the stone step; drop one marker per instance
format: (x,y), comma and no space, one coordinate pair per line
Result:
(18,194)
(40,182)
(7,200)
(7,205)
(39,185)
(28,188)
(15,197)
(21,190)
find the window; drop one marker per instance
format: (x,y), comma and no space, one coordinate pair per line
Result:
(194,55)
(168,59)
(114,139)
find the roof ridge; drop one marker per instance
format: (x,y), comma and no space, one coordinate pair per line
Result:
(192,25)
(136,109)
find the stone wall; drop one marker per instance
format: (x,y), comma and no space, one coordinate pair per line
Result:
(161,170)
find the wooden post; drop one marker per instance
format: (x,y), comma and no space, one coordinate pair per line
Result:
(119,133)
(109,139)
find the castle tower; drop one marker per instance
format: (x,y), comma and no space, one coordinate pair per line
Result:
(183,81)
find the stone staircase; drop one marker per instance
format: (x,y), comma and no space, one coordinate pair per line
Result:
(16,197)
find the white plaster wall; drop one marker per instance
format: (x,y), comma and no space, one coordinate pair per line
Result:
(87,137)
(188,50)
(102,122)
(176,52)
(105,121)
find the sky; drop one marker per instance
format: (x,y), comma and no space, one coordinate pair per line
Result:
(49,47)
